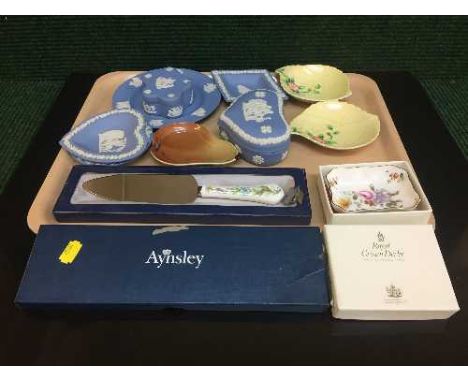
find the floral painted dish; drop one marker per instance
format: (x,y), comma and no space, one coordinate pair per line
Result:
(186,143)
(169,95)
(371,189)
(311,83)
(112,138)
(234,83)
(336,125)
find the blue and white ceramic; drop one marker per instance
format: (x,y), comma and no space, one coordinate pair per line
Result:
(169,95)
(233,83)
(112,138)
(254,122)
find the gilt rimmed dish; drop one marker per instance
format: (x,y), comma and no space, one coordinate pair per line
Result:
(312,83)
(336,125)
(371,189)
(234,83)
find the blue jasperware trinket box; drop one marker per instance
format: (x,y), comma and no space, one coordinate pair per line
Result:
(169,95)
(272,269)
(254,122)
(234,83)
(112,138)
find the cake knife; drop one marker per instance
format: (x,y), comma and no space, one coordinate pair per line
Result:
(183,189)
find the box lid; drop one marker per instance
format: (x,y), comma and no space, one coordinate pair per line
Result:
(388,272)
(198,268)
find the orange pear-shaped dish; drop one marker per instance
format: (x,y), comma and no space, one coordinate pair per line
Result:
(186,143)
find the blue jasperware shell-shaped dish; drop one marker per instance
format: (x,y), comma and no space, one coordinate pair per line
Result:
(169,95)
(112,138)
(255,124)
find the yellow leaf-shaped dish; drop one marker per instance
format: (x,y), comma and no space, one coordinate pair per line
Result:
(336,125)
(312,83)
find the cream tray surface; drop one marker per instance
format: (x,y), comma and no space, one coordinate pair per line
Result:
(365,94)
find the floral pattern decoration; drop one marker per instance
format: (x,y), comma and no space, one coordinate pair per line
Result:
(246,190)
(395,176)
(372,197)
(327,138)
(298,89)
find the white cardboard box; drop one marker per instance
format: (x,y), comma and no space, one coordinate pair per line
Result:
(421,215)
(387,272)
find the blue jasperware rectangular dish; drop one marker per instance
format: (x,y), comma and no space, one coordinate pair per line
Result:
(234,83)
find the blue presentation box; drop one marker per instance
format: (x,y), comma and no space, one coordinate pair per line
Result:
(277,269)
(66,210)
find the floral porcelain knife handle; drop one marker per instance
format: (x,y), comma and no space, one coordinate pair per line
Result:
(265,193)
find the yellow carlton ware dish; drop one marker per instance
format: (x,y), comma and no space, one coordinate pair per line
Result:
(313,83)
(336,125)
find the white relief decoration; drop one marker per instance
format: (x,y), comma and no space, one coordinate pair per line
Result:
(84,156)
(257,159)
(175,111)
(219,74)
(224,135)
(123,105)
(265,129)
(200,112)
(112,141)
(180,71)
(150,109)
(147,91)
(135,82)
(284,155)
(169,69)
(209,87)
(238,148)
(171,95)
(186,81)
(242,89)
(164,82)
(256,110)
(267,141)
(156,123)
(260,94)
(148,75)
(191,98)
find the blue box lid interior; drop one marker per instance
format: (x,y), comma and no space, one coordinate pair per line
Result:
(196,268)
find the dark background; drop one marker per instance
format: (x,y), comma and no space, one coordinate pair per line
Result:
(53,47)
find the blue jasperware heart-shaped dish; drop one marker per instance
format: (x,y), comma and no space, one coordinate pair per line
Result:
(112,138)
(255,124)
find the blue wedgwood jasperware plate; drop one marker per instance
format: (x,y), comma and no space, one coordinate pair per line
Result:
(112,138)
(234,83)
(169,95)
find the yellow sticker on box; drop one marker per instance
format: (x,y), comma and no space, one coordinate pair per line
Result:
(70,252)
